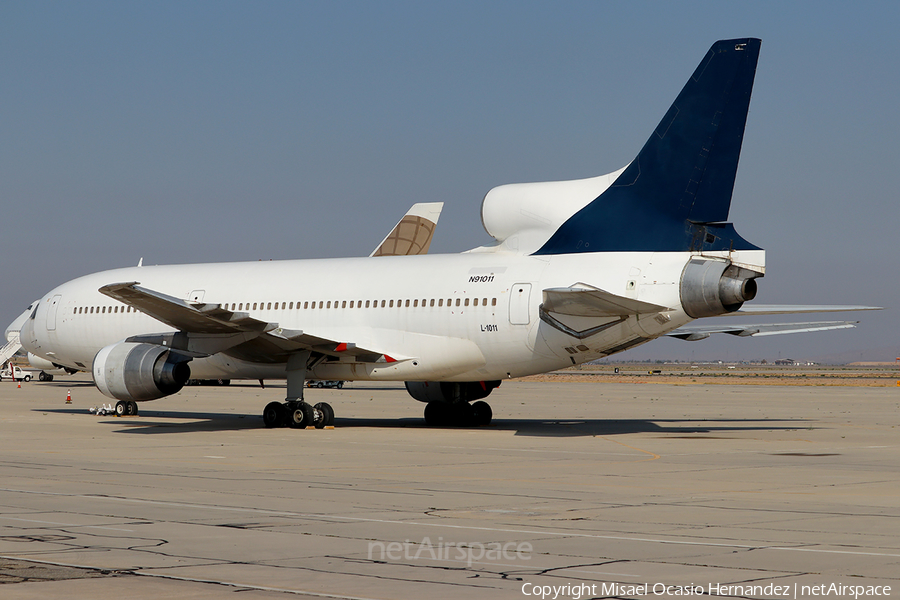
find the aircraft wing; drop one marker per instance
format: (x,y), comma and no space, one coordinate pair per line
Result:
(412,235)
(196,317)
(586,301)
(693,333)
(205,329)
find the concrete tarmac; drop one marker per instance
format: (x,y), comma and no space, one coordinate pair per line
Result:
(585,485)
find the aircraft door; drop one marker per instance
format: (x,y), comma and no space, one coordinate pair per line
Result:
(519,305)
(197,296)
(51,312)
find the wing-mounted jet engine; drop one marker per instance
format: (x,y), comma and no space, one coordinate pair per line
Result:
(131,372)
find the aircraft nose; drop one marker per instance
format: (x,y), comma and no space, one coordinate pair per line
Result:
(26,335)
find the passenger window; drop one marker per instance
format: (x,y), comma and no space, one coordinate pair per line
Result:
(493,302)
(441,302)
(382,304)
(367,304)
(415,303)
(475,302)
(344,304)
(306,305)
(352,302)
(392,304)
(328,305)
(467,302)
(291,306)
(432,302)
(457,301)
(407,304)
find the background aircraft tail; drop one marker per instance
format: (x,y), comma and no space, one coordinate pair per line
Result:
(676,194)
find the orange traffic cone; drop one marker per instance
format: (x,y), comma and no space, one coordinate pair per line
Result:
(20,385)
(68,396)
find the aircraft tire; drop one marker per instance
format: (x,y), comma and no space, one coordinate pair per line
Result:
(301,415)
(121,409)
(132,408)
(434,414)
(274,414)
(482,414)
(462,415)
(327,415)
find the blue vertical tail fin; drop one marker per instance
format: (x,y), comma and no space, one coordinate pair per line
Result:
(676,194)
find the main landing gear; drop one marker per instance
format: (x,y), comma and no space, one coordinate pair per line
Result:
(298,414)
(461,414)
(126,408)
(294,412)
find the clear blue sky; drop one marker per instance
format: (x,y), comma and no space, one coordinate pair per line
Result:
(219,131)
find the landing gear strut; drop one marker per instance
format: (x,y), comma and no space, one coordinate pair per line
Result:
(443,414)
(294,411)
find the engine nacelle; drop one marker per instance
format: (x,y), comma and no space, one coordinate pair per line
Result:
(450,392)
(715,287)
(133,371)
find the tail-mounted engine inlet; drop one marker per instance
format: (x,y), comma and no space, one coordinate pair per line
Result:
(712,287)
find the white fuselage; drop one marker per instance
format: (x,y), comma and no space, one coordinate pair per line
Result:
(459,317)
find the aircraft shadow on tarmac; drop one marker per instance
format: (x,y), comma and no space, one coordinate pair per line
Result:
(168,422)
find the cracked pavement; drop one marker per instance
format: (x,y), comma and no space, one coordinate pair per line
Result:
(573,483)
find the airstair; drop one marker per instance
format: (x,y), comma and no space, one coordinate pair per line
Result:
(11,347)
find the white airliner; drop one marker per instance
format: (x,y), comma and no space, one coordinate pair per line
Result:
(411,236)
(579,270)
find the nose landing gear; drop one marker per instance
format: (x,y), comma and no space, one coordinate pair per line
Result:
(126,408)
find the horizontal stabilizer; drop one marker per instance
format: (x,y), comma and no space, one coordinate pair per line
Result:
(586,301)
(797,309)
(693,333)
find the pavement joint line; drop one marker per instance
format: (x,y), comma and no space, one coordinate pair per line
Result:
(189,579)
(65,524)
(463,527)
